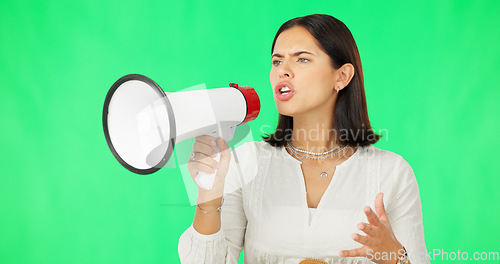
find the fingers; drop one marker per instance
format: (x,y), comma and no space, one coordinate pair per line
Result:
(200,147)
(204,152)
(224,148)
(202,157)
(365,240)
(206,139)
(357,252)
(371,216)
(203,163)
(380,208)
(367,229)
(379,236)
(205,144)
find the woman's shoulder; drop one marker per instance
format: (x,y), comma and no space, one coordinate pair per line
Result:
(246,159)
(391,165)
(256,153)
(249,152)
(255,147)
(385,156)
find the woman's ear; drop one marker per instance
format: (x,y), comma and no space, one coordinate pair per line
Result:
(345,74)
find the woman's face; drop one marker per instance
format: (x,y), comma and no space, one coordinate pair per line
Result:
(301,65)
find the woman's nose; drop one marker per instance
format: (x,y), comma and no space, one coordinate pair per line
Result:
(285,72)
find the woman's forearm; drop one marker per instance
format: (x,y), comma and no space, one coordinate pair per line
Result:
(207,223)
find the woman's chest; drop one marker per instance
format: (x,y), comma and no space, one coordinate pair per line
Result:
(283,218)
(316,183)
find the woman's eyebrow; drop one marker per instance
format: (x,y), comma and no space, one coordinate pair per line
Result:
(295,54)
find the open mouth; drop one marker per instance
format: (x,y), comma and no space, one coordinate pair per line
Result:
(285,90)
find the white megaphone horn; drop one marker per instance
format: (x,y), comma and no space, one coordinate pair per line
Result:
(142,124)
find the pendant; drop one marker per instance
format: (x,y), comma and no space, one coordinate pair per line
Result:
(323,175)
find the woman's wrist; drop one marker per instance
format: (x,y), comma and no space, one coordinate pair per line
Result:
(399,252)
(392,256)
(209,207)
(208,201)
(402,255)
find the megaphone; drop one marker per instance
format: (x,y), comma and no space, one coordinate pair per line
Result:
(142,123)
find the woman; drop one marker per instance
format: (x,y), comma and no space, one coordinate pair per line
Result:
(307,190)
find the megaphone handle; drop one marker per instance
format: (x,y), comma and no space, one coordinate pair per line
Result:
(205,180)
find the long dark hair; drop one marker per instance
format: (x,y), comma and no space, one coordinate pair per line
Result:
(351,122)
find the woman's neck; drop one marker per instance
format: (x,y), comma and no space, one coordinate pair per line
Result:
(314,134)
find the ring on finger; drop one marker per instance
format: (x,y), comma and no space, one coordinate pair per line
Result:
(191,156)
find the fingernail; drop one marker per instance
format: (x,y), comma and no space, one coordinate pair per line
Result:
(360,226)
(214,155)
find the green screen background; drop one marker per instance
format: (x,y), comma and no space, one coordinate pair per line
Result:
(431,81)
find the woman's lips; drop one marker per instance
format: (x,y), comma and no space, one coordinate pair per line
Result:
(283,96)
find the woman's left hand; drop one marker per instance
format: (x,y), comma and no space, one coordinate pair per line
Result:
(379,245)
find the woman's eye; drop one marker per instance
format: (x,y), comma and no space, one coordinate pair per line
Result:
(278,62)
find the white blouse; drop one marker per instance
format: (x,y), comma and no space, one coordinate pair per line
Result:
(265,209)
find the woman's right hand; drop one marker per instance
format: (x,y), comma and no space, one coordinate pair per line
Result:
(203,160)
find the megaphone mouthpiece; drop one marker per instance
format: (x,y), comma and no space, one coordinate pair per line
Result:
(252,101)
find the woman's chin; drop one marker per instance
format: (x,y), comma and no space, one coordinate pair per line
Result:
(287,112)
(288,108)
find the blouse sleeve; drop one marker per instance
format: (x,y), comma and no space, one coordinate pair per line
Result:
(405,214)
(225,246)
